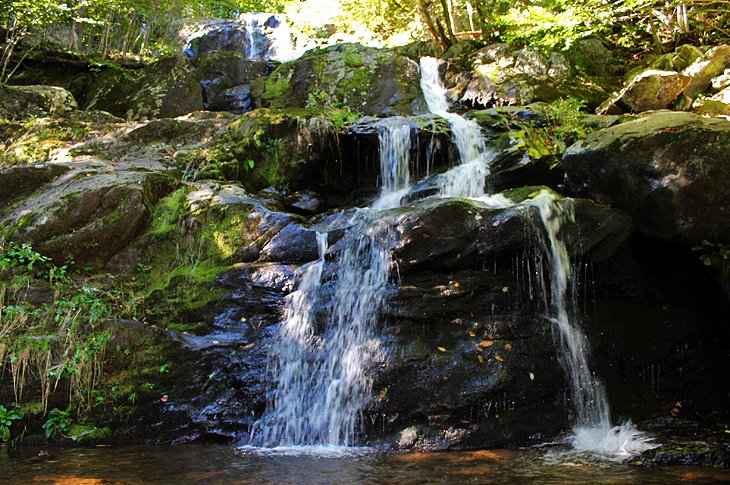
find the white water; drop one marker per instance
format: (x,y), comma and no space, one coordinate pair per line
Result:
(264,43)
(322,378)
(593,431)
(466,180)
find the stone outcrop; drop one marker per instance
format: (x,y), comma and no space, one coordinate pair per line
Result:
(667,170)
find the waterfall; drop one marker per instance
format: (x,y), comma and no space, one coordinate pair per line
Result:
(466,180)
(592,431)
(267,37)
(321,369)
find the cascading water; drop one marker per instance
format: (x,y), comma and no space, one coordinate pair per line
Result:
(466,180)
(267,37)
(593,431)
(321,377)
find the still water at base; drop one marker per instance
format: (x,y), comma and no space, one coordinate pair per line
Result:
(218,464)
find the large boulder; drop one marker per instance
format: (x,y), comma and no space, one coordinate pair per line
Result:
(86,216)
(369,80)
(165,89)
(20,102)
(668,170)
(649,90)
(712,64)
(504,75)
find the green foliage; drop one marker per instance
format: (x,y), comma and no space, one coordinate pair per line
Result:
(714,255)
(565,120)
(7,416)
(58,423)
(14,257)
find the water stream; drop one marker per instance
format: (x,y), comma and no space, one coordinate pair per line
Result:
(468,179)
(322,379)
(328,344)
(592,431)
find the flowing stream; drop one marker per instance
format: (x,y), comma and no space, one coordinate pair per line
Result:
(321,376)
(327,343)
(592,431)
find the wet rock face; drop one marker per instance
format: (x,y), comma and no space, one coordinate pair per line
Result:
(253,34)
(667,170)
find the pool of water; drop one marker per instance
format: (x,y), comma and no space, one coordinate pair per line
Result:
(218,464)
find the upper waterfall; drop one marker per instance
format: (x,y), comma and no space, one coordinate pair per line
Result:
(468,179)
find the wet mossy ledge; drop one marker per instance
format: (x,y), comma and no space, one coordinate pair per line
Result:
(146,255)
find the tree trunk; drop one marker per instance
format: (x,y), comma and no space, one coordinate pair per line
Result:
(433,25)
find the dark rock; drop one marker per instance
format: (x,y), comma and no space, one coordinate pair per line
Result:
(293,244)
(305,202)
(252,34)
(452,233)
(665,170)
(20,181)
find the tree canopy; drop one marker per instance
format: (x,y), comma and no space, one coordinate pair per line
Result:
(150,27)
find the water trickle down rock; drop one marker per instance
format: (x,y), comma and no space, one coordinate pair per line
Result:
(259,37)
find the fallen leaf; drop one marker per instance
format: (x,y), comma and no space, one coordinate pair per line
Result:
(499,358)
(507,346)
(441,349)
(472,334)
(486,343)
(480,358)
(249,346)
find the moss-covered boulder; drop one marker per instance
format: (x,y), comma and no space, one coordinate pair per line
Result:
(42,139)
(165,89)
(368,80)
(20,102)
(667,170)
(86,217)
(712,64)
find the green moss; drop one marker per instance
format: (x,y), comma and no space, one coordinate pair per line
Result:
(353,59)
(168,211)
(277,85)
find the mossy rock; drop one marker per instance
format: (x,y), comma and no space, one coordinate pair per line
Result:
(368,80)
(165,89)
(286,149)
(664,169)
(20,102)
(36,140)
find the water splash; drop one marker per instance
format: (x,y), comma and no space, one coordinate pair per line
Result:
(466,180)
(593,431)
(327,343)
